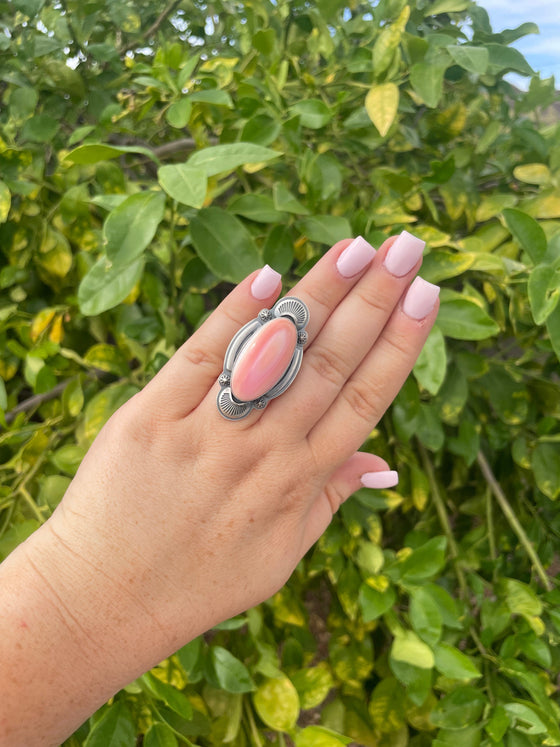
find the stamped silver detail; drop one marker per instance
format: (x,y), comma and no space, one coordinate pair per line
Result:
(290,307)
(293,308)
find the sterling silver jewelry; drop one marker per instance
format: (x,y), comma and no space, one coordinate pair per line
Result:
(268,357)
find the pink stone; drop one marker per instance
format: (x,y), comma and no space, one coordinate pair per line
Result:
(264,360)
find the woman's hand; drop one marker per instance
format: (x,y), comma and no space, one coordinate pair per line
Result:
(178,518)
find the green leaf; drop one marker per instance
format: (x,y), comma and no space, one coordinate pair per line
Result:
(114,728)
(107,358)
(504,58)
(520,598)
(427,81)
(455,664)
(463,319)
(179,113)
(544,291)
(459,708)
(100,408)
(224,244)
(387,43)
(175,699)
(387,706)
(313,113)
(527,232)
(160,735)
(319,736)
(107,284)
(524,718)
(259,208)
(232,675)
(132,225)
(431,365)
(545,462)
(446,6)
(382,103)
(409,648)
(425,561)
(217,97)
(441,265)
(375,603)
(94,152)
(277,703)
(473,59)
(286,202)
(313,685)
(425,616)
(40,129)
(5,202)
(219,159)
(184,183)
(326,229)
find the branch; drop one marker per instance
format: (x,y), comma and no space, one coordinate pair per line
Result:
(512,518)
(154,27)
(37,399)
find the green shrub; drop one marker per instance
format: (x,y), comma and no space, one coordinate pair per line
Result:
(151,158)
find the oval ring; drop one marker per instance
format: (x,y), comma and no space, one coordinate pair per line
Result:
(263,358)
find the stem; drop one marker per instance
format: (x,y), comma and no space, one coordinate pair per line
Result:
(154,27)
(512,518)
(490,520)
(444,520)
(31,504)
(254,731)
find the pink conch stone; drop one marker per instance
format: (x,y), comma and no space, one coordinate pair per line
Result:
(264,360)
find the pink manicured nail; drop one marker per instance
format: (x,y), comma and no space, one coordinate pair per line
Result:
(387,479)
(355,257)
(404,254)
(420,299)
(264,360)
(265,283)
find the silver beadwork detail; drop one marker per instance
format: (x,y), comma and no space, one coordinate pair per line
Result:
(288,307)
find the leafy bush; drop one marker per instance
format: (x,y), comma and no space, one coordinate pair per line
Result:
(150,157)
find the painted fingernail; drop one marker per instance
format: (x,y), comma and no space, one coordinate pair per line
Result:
(404,254)
(355,257)
(386,479)
(265,283)
(420,299)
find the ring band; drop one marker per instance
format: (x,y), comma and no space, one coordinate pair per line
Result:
(263,358)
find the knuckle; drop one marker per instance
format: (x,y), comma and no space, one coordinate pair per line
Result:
(320,297)
(328,365)
(197,356)
(334,497)
(363,398)
(376,303)
(398,344)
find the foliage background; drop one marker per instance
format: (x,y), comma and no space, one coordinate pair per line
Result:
(151,156)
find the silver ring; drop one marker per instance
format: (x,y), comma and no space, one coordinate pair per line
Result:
(265,354)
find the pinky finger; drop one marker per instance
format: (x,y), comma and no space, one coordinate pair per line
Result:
(360,470)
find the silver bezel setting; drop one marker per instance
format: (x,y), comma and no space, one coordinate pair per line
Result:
(289,307)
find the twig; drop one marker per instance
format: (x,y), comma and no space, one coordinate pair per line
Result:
(154,27)
(37,399)
(444,520)
(512,518)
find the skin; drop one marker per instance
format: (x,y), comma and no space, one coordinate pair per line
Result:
(179,519)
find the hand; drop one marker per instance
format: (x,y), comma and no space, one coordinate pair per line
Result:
(178,519)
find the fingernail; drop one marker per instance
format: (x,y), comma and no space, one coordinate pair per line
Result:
(420,299)
(266,282)
(387,479)
(404,254)
(355,257)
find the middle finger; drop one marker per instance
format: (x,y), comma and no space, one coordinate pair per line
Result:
(348,335)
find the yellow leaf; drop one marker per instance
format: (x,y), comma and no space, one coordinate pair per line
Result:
(533,173)
(5,202)
(382,103)
(41,322)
